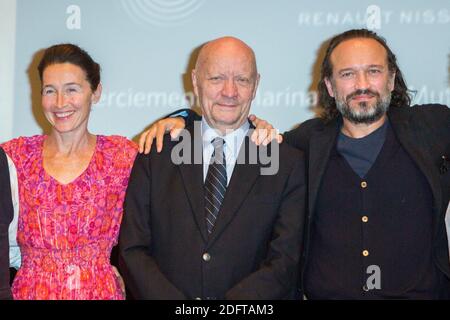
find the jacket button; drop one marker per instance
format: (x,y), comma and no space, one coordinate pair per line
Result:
(206,257)
(365,219)
(365,253)
(363,184)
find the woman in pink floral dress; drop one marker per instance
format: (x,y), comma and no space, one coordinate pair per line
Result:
(71,188)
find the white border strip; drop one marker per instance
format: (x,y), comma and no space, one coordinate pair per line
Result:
(7,66)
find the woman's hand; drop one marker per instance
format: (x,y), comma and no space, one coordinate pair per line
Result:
(121,282)
(158,130)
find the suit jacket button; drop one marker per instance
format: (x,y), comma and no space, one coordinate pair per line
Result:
(206,257)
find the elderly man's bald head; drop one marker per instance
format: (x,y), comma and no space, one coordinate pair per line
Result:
(230,45)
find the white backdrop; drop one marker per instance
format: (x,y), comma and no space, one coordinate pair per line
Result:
(145,48)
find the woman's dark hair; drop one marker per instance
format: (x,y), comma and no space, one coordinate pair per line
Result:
(400,95)
(70,53)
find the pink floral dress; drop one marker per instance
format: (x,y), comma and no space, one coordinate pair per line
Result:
(66,231)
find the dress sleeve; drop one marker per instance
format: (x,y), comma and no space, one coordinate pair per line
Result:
(13,150)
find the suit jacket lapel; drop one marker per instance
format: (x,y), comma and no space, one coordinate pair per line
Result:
(243,178)
(410,139)
(192,176)
(320,146)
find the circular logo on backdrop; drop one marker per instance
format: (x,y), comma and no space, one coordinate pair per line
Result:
(161,12)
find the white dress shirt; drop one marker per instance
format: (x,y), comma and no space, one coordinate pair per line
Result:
(233,142)
(14,250)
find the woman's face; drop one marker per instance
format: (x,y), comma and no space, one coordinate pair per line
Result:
(67,97)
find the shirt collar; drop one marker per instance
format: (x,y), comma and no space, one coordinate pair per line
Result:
(233,140)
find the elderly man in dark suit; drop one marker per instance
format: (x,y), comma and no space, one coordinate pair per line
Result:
(6,216)
(216,225)
(378,179)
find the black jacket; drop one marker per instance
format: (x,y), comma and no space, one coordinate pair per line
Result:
(6,216)
(255,247)
(423,131)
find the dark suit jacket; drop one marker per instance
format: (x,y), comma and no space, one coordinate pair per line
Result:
(255,246)
(423,131)
(6,216)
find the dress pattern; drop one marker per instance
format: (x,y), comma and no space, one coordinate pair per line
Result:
(66,231)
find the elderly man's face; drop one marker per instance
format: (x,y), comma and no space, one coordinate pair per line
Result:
(361,82)
(225,82)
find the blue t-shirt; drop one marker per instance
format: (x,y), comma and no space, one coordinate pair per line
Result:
(361,153)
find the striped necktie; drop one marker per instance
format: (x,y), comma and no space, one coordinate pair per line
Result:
(215,183)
